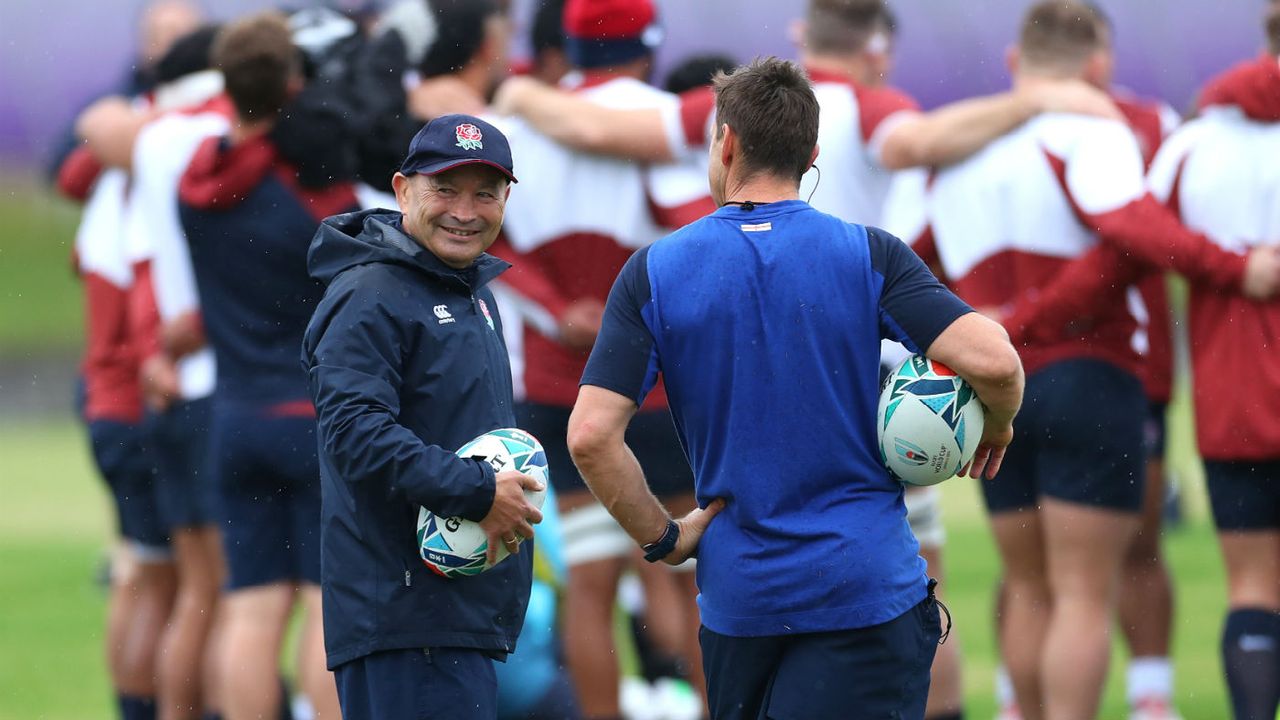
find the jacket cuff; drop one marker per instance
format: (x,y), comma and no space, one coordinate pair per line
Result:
(481,501)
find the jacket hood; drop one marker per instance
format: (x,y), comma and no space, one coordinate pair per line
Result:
(376,236)
(1252,86)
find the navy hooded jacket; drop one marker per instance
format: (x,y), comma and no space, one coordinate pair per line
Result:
(406,363)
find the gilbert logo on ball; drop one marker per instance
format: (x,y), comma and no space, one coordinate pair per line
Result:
(929,422)
(469,137)
(456,547)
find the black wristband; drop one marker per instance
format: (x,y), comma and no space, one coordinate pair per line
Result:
(655,551)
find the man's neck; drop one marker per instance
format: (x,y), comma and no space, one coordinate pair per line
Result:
(846,66)
(760,189)
(475,75)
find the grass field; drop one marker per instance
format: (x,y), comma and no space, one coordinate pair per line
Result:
(55,526)
(39,294)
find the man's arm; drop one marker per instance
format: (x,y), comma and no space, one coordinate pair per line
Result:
(956,131)
(916,310)
(640,135)
(352,354)
(109,129)
(621,371)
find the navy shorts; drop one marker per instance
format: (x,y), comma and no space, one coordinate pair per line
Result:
(127,464)
(875,672)
(651,436)
(1078,438)
(268,480)
(185,488)
(418,684)
(1244,495)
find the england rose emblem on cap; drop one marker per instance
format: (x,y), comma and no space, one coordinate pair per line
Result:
(469,137)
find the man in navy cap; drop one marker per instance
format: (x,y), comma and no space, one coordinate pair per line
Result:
(407,363)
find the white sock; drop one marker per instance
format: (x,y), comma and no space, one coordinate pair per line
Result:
(1150,677)
(1004,687)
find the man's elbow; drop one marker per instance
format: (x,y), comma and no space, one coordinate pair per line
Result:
(585,438)
(999,365)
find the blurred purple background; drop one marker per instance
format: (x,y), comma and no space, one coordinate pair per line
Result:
(56,55)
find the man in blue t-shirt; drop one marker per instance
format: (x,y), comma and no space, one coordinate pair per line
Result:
(765,320)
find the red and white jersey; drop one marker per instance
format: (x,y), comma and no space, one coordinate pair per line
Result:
(1220,174)
(1151,123)
(110,364)
(569,234)
(1009,218)
(850,181)
(156,242)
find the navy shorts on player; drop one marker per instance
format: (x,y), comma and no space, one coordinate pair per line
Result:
(184,485)
(268,481)
(127,463)
(1245,496)
(875,672)
(421,683)
(1078,439)
(651,436)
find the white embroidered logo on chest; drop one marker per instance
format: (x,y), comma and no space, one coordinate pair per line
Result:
(442,312)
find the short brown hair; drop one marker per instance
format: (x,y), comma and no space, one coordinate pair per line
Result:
(1273,27)
(771,107)
(257,58)
(1061,33)
(845,26)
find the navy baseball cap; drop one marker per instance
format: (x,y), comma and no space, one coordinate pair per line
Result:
(451,141)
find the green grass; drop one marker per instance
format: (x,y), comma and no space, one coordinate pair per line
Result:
(40,298)
(56,524)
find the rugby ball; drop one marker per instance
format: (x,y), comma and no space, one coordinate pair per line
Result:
(454,546)
(929,420)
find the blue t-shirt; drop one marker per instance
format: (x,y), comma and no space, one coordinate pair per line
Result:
(766,326)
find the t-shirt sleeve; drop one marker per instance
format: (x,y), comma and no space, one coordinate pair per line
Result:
(688,123)
(880,110)
(914,306)
(624,358)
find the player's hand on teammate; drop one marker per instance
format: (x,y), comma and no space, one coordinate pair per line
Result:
(512,92)
(158,376)
(692,526)
(511,517)
(580,323)
(1262,273)
(1073,96)
(996,436)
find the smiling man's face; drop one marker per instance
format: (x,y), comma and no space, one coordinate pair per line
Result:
(456,214)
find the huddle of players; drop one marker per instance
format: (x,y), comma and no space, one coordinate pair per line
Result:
(1068,227)
(1046,223)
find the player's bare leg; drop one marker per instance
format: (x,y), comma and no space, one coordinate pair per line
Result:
(180,674)
(314,678)
(1085,547)
(1027,605)
(1146,596)
(588,633)
(256,618)
(946,692)
(145,588)
(1252,664)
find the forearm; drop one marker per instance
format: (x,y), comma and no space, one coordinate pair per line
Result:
(954,132)
(109,128)
(978,349)
(616,479)
(589,127)
(1151,232)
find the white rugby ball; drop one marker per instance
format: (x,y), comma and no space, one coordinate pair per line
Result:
(929,421)
(455,546)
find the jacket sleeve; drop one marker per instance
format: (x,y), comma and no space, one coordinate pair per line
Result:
(1068,305)
(353,353)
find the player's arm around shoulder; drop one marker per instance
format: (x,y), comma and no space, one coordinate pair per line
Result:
(978,349)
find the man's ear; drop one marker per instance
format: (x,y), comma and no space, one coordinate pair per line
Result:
(506,195)
(814,157)
(728,146)
(400,184)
